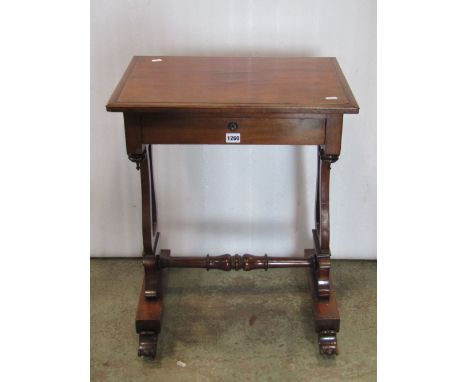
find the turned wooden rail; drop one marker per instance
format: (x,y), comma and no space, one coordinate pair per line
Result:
(227,262)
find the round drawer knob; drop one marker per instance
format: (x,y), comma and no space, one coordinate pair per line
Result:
(232,126)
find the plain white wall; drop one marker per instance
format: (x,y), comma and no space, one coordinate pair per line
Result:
(225,199)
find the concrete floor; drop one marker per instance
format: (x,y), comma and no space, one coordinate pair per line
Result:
(232,326)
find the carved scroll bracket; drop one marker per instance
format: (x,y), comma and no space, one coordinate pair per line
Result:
(137,158)
(330,158)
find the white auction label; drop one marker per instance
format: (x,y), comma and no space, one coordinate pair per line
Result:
(232,137)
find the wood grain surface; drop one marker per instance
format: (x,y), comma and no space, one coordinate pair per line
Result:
(233,84)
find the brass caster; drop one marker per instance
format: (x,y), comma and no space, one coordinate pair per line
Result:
(327,342)
(147,347)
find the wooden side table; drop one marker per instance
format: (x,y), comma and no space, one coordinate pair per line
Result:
(221,100)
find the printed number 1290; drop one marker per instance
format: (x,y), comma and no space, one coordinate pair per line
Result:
(232,137)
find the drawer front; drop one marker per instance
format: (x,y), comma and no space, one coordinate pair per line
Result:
(160,129)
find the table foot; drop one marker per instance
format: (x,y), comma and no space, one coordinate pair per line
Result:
(149,313)
(147,345)
(327,342)
(326,315)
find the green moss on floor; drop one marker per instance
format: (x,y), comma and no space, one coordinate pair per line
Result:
(232,326)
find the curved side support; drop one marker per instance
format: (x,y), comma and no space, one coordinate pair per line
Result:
(323,179)
(321,233)
(149,222)
(150,303)
(326,155)
(151,276)
(148,198)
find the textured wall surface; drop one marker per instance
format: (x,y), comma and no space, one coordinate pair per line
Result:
(225,199)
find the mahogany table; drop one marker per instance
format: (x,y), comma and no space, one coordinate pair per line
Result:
(221,100)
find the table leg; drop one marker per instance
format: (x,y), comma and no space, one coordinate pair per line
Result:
(327,319)
(150,303)
(321,233)
(149,314)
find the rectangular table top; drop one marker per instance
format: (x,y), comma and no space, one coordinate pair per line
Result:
(233,84)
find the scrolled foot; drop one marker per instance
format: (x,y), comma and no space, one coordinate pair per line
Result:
(147,347)
(327,342)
